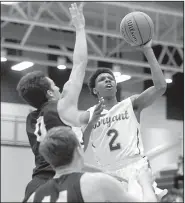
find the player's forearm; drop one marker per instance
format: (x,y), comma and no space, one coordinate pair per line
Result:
(80,50)
(157,74)
(80,58)
(78,71)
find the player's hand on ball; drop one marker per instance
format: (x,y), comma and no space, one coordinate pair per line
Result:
(77,16)
(97,112)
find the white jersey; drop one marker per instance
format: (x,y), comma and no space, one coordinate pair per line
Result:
(116,136)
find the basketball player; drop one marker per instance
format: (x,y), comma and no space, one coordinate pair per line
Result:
(41,93)
(115,138)
(62,150)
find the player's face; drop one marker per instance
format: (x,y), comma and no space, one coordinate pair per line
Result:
(55,91)
(105,85)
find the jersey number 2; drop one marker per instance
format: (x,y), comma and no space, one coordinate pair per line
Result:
(113,146)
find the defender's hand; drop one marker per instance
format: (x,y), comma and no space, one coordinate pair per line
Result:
(77,16)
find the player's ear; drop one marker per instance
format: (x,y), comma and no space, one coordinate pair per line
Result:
(95,91)
(49,93)
(116,85)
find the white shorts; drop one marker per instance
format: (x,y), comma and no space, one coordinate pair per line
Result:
(130,173)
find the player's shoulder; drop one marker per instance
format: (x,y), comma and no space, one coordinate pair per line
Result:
(90,179)
(95,182)
(131,98)
(44,190)
(99,176)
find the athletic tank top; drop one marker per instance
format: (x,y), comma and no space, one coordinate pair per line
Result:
(37,124)
(116,136)
(66,188)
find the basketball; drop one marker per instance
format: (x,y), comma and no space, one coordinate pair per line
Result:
(137,28)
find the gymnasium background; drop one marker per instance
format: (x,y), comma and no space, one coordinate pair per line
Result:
(162,123)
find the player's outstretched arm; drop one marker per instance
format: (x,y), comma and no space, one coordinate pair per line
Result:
(151,94)
(80,56)
(67,105)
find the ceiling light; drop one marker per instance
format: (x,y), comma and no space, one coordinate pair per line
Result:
(61,67)
(3,55)
(116,69)
(22,66)
(168,80)
(168,77)
(116,74)
(122,78)
(61,61)
(3,59)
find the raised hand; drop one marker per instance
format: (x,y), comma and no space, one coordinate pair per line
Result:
(97,112)
(77,16)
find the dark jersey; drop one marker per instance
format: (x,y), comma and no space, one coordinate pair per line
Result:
(37,124)
(66,188)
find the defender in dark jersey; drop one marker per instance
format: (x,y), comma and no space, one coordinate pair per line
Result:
(52,107)
(37,124)
(62,150)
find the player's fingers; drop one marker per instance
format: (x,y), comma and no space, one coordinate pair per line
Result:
(76,8)
(100,109)
(101,101)
(73,5)
(97,108)
(72,12)
(81,6)
(99,105)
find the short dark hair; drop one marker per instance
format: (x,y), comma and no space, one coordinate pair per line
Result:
(93,77)
(58,146)
(33,88)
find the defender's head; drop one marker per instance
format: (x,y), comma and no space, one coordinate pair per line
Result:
(60,147)
(36,89)
(102,83)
